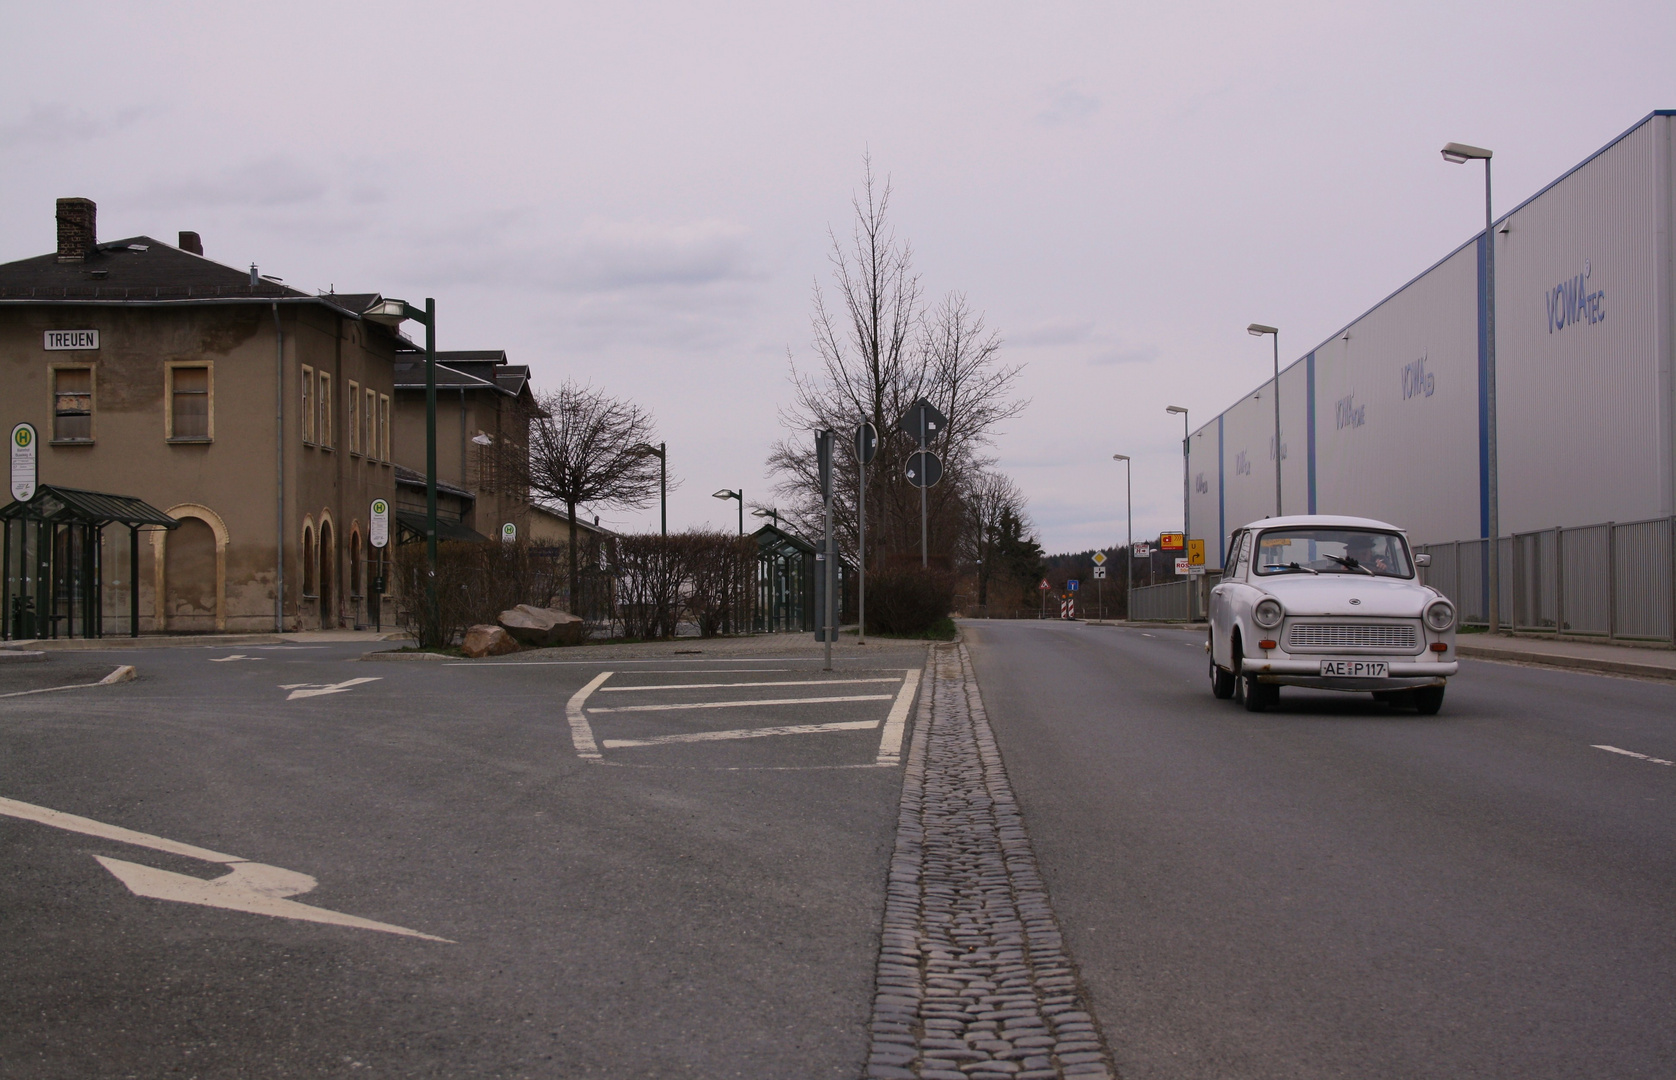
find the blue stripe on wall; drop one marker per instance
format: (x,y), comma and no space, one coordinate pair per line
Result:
(1309,373)
(1483,390)
(1221,501)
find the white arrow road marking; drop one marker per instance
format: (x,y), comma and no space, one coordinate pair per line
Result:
(890,745)
(713,685)
(744,733)
(235,656)
(581,733)
(125,673)
(253,887)
(248,886)
(744,704)
(304,689)
(1633,754)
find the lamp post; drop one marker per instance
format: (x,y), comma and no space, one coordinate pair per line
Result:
(1129,513)
(392,313)
(1186,468)
(740,495)
(1460,154)
(1258,330)
(767,512)
(660,452)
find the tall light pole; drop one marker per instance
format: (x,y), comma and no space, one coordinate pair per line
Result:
(767,512)
(1186,468)
(660,451)
(1258,330)
(392,313)
(740,495)
(1460,154)
(1129,513)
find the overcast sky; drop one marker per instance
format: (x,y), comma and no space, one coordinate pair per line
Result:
(639,195)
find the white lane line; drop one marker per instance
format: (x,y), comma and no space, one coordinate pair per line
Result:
(710,685)
(307,690)
(235,656)
(581,734)
(125,673)
(746,733)
(248,886)
(1633,754)
(707,660)
(890,744)
(743,704)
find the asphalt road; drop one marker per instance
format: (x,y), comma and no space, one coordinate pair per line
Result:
(1336,889)
(672,909)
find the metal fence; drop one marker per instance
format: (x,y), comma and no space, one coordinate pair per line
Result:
(1173,601)
(1615,580)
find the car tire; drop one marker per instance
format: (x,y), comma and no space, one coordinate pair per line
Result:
(1221,682)
(1259,697)
(1428,700)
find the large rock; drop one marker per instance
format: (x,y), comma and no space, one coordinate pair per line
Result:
(485,640)
(542,627)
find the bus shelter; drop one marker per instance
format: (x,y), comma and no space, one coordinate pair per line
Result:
(52,561)
(785,582)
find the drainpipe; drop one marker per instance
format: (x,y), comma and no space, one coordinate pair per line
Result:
(279,475)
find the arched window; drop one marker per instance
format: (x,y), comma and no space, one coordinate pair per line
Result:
(308,559)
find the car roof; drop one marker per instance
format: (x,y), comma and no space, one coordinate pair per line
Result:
(1329,520)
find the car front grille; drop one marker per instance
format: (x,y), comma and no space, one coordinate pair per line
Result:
(1352,636)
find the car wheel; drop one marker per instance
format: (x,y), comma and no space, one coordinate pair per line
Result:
(1259,697)
(1235,658)
(1221,682)
(1428,700)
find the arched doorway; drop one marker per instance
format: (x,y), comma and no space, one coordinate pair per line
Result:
(190,564)
(356,581)
(328,577)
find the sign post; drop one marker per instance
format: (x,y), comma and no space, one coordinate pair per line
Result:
(378,536)
(829,572)
(923,422)
(866,445)
(25,463)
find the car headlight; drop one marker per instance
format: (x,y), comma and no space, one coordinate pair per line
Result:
(1440,615)
(1268,613)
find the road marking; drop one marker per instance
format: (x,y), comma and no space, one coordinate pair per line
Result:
(125,673)
(744,733)
(305,689)
(1633,754)
(742,704)
(706,660)
(890,744)
(581,734)
(248,886)
(712,685)
(235,656)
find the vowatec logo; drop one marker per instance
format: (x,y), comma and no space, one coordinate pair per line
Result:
(1416,380)
(1200,485)
(1571,302)
(1271,449)
(1242,464)
(1348,414)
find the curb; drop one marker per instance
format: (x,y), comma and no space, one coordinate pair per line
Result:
(1571,663)
(18,656)
(397,654)
(162,642)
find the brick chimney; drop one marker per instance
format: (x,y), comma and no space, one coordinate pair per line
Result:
(190,241)
(77,234)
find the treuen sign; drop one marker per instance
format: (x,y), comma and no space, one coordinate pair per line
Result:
(1572,302)
(57,340)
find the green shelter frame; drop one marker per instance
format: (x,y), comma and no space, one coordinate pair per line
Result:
(52,565)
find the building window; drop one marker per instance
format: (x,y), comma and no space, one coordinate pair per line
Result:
(384,427)
(308,404)
(324,431)
(191,414)
(354,417)
(371,418)
(72,405)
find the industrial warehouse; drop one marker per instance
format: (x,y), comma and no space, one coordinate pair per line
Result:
(1389,417)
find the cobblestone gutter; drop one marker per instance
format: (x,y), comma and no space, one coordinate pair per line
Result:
(973,980)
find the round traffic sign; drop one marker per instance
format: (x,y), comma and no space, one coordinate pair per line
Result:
(866,443)
(924,469)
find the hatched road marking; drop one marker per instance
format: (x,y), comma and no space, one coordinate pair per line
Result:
(741,704)
(1633,754)
(744,733)
(713,685)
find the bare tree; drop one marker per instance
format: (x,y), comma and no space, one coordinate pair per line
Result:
(588,447)
(991,499)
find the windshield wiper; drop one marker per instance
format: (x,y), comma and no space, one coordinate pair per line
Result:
(1292,566)
(1350,564)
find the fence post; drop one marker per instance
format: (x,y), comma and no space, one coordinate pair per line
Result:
(1559,581)
(1611,581)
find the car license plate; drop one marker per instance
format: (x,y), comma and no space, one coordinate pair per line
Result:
(1356,669)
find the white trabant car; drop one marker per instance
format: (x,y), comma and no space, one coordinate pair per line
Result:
(1332,603)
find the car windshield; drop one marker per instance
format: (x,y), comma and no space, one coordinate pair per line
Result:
(1333,551)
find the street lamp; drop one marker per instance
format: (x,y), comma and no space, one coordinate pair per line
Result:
(740,495)
(659,452)
(1129,512)
(1186,467)
(1459,154)
(1258,330)
(392,313)
(767,511)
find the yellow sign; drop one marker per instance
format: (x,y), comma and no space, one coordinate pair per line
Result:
(1195,553)
(1170,541)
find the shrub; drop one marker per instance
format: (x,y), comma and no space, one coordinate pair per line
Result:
(475,582)
(907,600)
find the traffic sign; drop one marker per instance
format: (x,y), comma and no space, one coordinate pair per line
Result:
(823,461)
(1044,586)
(1071,586)
(508,533)
(378,534)
(924,469)
(866,443)
(1196,552)
(1099,558)
(1171,541)
(1183,567)
(1099,572)
(1143,551)
(24,453)
(922,422)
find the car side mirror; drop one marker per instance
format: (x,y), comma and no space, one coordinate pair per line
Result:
(1422,559)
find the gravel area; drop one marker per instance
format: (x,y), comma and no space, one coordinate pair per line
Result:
(973,980)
